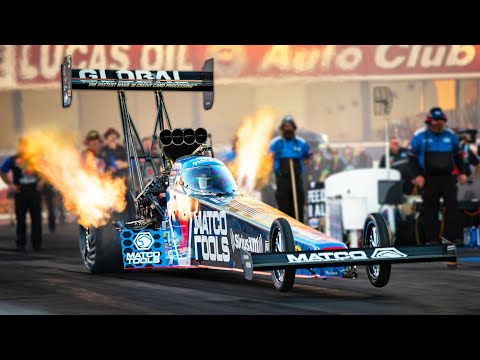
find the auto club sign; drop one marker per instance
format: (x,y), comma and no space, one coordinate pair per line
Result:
(37,66)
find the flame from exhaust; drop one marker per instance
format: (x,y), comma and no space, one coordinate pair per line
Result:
(86,193)
(253,163)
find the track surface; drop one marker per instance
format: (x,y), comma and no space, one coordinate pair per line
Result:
(56,282)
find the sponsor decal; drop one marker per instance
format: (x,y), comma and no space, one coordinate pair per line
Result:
(239,240)
(331,272)
(143,242)
(151,257)
(327,256)
(387,253)
(201,161)
(380,253)
(130,75)
(210,236)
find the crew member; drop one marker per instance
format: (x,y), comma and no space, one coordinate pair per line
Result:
(26,186)
(117,151)
(469,158)
(104,161)
(285,148)
(49,194)
(399,160)
(434,152)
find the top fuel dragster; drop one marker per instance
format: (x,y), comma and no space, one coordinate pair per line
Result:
(192,213)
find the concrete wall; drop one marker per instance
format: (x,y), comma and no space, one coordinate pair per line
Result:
(7,129)
(285,99)
(43,109)
(334,108)
(231,104)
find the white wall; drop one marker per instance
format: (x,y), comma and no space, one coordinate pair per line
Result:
(335,108)
(7,129)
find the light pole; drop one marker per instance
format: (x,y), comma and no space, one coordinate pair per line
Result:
(382,103)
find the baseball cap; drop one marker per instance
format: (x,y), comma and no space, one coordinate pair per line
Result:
(288,120)
(92,135)
(436,113)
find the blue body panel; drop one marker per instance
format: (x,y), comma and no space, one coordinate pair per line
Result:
(211,230)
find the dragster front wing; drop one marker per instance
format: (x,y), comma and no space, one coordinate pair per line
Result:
(349,257)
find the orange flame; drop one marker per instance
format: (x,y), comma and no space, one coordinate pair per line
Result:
(253,164)
(86,193)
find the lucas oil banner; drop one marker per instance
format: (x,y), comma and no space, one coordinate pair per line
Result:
(37,66)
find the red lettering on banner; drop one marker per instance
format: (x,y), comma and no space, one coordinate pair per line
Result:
(38,65)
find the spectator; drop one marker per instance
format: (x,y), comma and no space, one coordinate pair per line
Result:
(348,158)
(289,149)
(434,153)
(117,151)
(335,161)
(317,169)
(399,160)
(362,159)
(147,146)
(26,186)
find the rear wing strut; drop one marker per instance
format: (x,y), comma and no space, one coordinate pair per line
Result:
(348,257)
(160,80)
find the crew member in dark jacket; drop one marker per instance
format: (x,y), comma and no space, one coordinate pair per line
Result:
(26,186)
(434,152)
(285,147)
(469,158)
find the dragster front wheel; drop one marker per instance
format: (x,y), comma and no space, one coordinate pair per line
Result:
(375,234)
(281,240)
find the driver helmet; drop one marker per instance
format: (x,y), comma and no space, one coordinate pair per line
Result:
(203,182)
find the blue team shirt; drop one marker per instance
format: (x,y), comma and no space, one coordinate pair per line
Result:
(295,148)
(7,165)
(425,140)
(20,177)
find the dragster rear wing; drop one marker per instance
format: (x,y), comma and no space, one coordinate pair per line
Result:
(349,257)
(161,80)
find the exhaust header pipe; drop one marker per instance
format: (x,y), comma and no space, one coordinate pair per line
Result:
(186,136)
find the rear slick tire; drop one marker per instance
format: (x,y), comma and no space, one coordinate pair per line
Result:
(101,247)
(281,240)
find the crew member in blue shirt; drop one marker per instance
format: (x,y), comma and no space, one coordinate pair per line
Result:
(26,187)
(285,147)
(434,152)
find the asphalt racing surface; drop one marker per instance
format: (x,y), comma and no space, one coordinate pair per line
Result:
(56,282)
